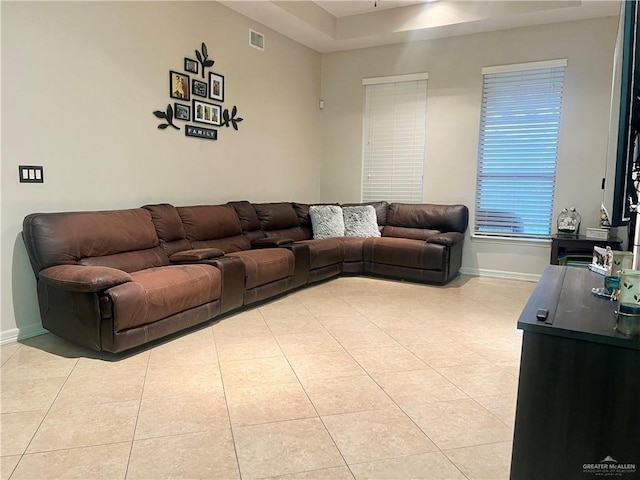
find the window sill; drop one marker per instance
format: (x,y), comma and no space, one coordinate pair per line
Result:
(533,242)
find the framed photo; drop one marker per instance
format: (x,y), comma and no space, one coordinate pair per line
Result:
(182,112)
(216,86)
(179,85)
(204,112)
(190,65)
(199,88)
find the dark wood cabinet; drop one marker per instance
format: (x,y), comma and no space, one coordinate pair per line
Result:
(578,246)
(578,410)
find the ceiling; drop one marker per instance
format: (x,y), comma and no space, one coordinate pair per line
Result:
(329,26)
(340,8)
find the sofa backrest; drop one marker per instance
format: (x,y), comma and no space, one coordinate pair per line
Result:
(123,239)
(248,219)
(169,227)
(280,220)
(216,226)
(420,221)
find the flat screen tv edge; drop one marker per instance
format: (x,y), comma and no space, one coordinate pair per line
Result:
(623,147)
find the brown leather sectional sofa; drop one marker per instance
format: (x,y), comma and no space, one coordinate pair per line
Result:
(113,280)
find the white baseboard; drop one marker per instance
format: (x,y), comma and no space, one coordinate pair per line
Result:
(15,334)
(484,272)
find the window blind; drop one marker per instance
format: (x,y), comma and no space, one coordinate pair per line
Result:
(518,151)
(394,139)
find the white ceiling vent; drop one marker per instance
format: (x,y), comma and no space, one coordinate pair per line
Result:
(256,40)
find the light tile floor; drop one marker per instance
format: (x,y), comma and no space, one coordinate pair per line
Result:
(353,378)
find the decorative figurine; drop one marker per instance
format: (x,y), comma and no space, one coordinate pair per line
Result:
(569,221)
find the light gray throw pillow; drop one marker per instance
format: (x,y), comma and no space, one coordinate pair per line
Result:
(326,221)
(360,221)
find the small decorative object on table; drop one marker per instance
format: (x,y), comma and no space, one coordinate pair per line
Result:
(602,260)
(621,261)
(629,287)
(569,222)
(610,290)
(601,233)
(598,233)
(628,319)
(604,217)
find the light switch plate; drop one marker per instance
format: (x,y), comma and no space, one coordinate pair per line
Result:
(31,173)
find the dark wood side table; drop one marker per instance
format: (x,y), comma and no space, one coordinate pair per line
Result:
(562,244)
(578,411)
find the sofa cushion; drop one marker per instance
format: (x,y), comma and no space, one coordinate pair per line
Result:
(70,238)
(302,211)
(169,227)
(327,251)
(352,248)
(214,226)
(129,261)
(295,233)
(381,209)
(265,265)
(247,215)
(360,221)
(210,222)
(167,221)
(405,232)
(276,216)
(404,252)
(446,218)
(227,245)
(157,293)
(326,221)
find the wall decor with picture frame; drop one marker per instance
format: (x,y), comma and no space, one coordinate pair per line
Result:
(178,85)
(204,112)
(190,65)
(199,88)
(182,87)
(183,112)
(216,86)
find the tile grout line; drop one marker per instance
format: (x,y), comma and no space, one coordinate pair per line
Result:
(311,402)
(392,400)
(43,418)
(408,416)
(135,427)
(11,354)
(380,387)
(226,403)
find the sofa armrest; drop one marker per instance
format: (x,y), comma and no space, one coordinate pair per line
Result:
(233,278)
(271,242)
(85,279)
(196,255)
(448,239)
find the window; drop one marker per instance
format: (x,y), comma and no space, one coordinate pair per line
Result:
(519,127)
(395,116)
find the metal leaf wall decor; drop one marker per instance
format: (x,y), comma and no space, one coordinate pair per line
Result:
(168,116)
(202,58)
(228,118)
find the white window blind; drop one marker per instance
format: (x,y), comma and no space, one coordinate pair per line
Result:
(394,138)
(519,128)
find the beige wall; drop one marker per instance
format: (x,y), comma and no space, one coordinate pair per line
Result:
(453,111)
(79,84)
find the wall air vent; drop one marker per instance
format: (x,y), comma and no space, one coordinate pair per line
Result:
(256,40)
